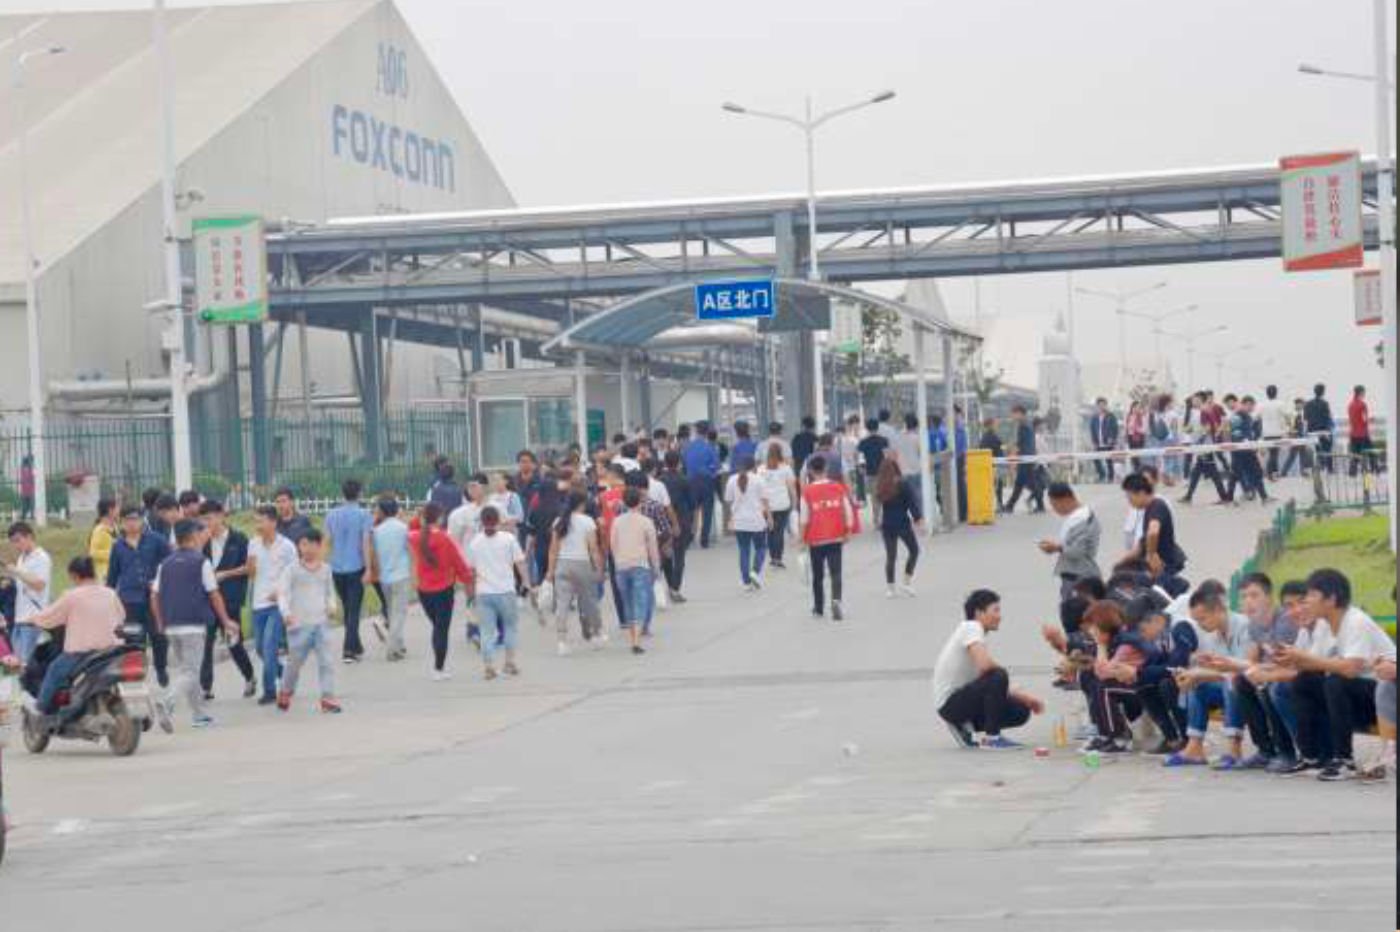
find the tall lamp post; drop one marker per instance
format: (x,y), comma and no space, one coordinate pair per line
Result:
(1190,338)
(1220,358)
(1381,89)
(809,125)
(1120,301)
(1157,331)
(31,296)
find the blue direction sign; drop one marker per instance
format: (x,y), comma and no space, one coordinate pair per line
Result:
(728,300)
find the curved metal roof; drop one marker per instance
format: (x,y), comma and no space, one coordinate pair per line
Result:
(634,322)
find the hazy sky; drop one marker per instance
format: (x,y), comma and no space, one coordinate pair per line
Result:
(604,101)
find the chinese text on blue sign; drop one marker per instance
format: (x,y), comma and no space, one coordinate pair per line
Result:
(727,300)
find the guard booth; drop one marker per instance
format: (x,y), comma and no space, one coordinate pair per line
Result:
(536,408)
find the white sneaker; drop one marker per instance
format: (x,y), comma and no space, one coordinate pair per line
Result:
(564,650)
(440,676)
(907,588)
(889,592)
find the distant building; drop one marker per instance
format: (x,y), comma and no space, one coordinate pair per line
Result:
(304,110)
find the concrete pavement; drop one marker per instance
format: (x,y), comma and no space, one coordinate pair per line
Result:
(756,769)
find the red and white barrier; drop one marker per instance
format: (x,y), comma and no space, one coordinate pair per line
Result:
(1158,453)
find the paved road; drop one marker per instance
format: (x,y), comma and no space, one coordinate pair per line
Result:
(755,770)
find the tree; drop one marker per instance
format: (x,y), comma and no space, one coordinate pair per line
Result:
(881,330)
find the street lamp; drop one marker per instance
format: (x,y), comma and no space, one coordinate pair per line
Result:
(1381,88)
(1157,331)
(31,297)
(1317,71)
(1220,358)
(1120,301)
(809,125)
(1190,339)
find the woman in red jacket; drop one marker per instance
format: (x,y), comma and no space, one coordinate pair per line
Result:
(439,565)
(826,520)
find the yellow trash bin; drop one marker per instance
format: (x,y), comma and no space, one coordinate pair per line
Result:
(981,487)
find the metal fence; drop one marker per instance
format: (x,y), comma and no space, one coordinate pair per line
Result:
(311,456)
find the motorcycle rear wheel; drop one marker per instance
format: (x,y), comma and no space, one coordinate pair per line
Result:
(36,740)
(125,736)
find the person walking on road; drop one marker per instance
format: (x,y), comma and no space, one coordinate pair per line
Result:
(1359,433)
(575,568)
(1103,432)
(291,523)
(683,506)
(1211,421)
(900,514)
(269,555)
(350,527)
(227,549)
(780,493)
(826,520)
(872,449)
(1027,474)
(103,536)
(1317,420)
(750,518)
(701,459)
(804,442)
(439,566)
(306,600)
(1273,427)
(31,571)
(496,557)
(135,557)
(636,557)
(187,600)
(393,574)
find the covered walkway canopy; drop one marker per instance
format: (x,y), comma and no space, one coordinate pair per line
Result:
(665,318)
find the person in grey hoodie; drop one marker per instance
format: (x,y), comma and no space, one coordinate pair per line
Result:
(1077,546)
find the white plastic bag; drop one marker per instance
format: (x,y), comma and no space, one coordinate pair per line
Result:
(544,597)
(661,594)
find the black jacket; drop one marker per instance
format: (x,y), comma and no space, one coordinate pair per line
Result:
(235,590)
(1103,428)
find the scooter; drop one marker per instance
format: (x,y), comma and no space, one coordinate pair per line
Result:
(106,697)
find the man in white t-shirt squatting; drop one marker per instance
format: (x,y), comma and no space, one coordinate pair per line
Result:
(970,690)
(1337,670)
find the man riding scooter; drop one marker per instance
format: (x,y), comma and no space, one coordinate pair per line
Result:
(91,615)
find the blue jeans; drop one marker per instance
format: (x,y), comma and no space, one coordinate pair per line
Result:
(1205,697)
(267,636)
(301,641)
(1279,698)
(752,547)
(637,596)
(56,677)
(500,622)
(24,639)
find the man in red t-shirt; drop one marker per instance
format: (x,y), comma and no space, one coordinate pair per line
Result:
(826,520)
(1359,431)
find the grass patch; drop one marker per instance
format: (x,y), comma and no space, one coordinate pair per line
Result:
(1359,547)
